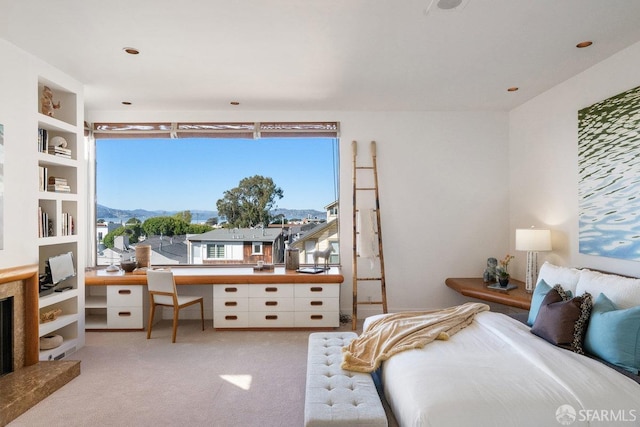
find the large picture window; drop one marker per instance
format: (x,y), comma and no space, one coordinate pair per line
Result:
(215,193)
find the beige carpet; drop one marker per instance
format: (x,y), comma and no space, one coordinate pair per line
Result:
(208,378)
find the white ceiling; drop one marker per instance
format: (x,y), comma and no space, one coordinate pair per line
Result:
(381,55)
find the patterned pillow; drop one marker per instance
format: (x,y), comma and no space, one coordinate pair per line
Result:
(562,320)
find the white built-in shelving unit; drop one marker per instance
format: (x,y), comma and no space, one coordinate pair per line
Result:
(61,213)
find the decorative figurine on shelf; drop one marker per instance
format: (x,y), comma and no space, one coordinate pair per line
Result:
(46,102)
(324,255)
(503,270)
(489,275)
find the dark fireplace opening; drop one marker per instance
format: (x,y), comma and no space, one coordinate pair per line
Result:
(6,336)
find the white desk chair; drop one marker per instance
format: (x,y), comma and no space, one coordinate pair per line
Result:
(162,291)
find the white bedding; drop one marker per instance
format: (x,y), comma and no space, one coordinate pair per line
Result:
(496,373)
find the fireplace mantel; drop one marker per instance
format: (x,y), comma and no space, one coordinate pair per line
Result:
(29,275)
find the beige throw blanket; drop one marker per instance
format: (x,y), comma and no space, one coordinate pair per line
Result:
(403,331)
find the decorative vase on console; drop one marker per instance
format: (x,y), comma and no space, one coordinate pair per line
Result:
(502,271)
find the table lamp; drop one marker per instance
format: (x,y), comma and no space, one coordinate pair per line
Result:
(532,240)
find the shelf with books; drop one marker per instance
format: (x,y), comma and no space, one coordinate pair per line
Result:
(58,178)
(46,218)
(57,216)
(56,138)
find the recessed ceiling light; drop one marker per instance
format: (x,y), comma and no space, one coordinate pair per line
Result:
(234,103)
(448,4)
(126,102)
(131,50)
(583,44)
(512,89)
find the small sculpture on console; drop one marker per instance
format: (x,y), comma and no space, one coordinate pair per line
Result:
(325,254)
(46,101)
(490,274)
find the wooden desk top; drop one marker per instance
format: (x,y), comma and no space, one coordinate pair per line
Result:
(476,288)
(215,275)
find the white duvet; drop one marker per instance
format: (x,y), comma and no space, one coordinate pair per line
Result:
(496,373)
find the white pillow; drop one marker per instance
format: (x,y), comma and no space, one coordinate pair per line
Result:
(369,319)
(624,292)
(555,275)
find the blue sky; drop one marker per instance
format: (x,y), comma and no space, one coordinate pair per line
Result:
(193,173)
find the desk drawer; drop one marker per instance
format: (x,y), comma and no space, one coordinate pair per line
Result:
(230,291)
(317,304)
(282,319)
(271,291)
(124,296)
(317,290)
(310,319)
(230,304)
(231,319)
(271,304)
(124,318)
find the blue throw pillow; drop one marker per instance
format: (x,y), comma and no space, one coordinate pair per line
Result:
(541,291)
(614,335)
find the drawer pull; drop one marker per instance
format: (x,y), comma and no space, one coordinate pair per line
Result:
(124,313)
(230,303)
(230,317)
(316,289)
(316,303)
(316,317)
(271,303)
(231,289)
(124,291)
(271,289)
(271,317)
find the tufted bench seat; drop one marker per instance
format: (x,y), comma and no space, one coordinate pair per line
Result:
(335,397)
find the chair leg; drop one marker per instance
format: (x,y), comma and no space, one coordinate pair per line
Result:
(176,311)
(202,313)
(152,311)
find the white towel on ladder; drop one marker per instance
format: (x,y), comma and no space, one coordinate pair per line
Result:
(366,238)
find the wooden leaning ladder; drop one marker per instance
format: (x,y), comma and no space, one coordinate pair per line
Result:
(356,232)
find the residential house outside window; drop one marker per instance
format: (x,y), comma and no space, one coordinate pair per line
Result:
(257,248)
(215,251)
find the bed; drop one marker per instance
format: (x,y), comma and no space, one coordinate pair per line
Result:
(496,372)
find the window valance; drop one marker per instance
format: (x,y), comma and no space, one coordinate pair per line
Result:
(253,130)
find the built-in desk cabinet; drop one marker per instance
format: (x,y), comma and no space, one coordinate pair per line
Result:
(241,299)
(114,307)
(276,306)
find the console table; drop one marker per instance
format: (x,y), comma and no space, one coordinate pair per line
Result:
(476,288)
(242,297)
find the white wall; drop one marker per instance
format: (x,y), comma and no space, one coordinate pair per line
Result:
(543,154)
(19,89)
(443,193)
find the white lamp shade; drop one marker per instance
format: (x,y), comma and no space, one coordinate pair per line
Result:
(533,239)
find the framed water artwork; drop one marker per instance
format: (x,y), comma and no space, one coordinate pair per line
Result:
(609,177)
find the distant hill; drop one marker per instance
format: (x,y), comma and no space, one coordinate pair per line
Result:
(299,213)
(118,215)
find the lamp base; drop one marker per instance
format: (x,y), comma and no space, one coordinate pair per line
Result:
(531,274)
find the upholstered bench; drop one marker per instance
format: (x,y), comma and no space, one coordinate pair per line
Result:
(335,397)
